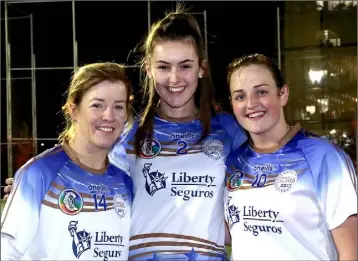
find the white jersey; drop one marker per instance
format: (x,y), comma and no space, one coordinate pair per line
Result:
(62,210)
(178,187)
(282,204)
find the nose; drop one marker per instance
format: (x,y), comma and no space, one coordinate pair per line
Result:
(252,101)
(174,76)
(108,114)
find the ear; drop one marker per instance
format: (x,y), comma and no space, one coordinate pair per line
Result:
(72,110)
(148,69)
(285,91)
(203,68)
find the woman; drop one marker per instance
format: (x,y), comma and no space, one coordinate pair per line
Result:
(177,150)
(291,195)
(70,203)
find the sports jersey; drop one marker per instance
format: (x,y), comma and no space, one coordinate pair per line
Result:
(62,210)
(178,185)
(283,202)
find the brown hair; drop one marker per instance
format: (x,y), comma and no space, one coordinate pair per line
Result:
(83,80)
(257,59)
(175,26)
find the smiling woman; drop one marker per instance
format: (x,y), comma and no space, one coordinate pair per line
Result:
(71,192)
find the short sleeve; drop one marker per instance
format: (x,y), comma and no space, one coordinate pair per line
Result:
(20,218)
(234,130)
(118,157)
(337,187)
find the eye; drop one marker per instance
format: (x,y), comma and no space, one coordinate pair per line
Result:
(240,97)
(186,66)
(119,107)
(96,105)
(261,92)
(163,67)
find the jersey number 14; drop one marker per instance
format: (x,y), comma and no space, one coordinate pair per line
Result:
(101,203)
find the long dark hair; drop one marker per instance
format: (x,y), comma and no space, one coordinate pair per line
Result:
(175,26)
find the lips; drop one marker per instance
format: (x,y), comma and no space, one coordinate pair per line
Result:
(255,115)
(176,89)
(105,129)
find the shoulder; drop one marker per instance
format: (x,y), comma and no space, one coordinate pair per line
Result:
(43,166)
(311,143)
(232,127)
(324,155)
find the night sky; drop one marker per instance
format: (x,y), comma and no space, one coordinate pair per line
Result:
(109,31)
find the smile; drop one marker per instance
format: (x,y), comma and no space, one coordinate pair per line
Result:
(105,129)
(176,89)
(255,114)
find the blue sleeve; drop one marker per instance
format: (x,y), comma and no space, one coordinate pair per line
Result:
(336,186)
(117,154)
(20,218)
(233,128)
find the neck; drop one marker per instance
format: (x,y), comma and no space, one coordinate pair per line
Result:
(271,138)
(88,155)
(188,112)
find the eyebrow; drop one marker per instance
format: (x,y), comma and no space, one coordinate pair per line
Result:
(256,86)
(184,61)
(102,100)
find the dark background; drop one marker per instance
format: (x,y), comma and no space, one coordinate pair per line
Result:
(110,31)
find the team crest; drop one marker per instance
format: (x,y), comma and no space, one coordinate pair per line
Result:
(70,202)
(285,180)
(149,148)
(154,181)
(235,181)
(213,148)
(81,240)
(119,205)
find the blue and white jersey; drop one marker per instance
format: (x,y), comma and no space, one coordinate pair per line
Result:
(62,210)
(179,189)
(283,202)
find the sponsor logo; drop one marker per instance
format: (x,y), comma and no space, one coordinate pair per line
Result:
(102,244)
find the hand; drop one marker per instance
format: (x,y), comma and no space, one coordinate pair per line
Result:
(7,189)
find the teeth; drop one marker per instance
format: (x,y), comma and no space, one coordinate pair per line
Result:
(105,129)
(176,89)
(256,114)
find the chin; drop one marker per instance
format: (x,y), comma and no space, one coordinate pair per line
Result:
(105,145)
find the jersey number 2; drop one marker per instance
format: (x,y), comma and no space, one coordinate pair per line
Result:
(183,145)
(101,203)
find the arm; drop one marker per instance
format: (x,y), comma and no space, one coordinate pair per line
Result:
(337,194)
(227,235)
(345,239)
(21,209)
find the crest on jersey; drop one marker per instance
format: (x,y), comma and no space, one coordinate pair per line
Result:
(81,240)
(213,148)
(70,202)
(154,181)
(119,205)
(235,181)
(285,180)
(149,148)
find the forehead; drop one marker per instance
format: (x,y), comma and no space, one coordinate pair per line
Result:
(174,51)
(107,90)
(250,76)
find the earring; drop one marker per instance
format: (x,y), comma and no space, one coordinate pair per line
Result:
(200,76)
